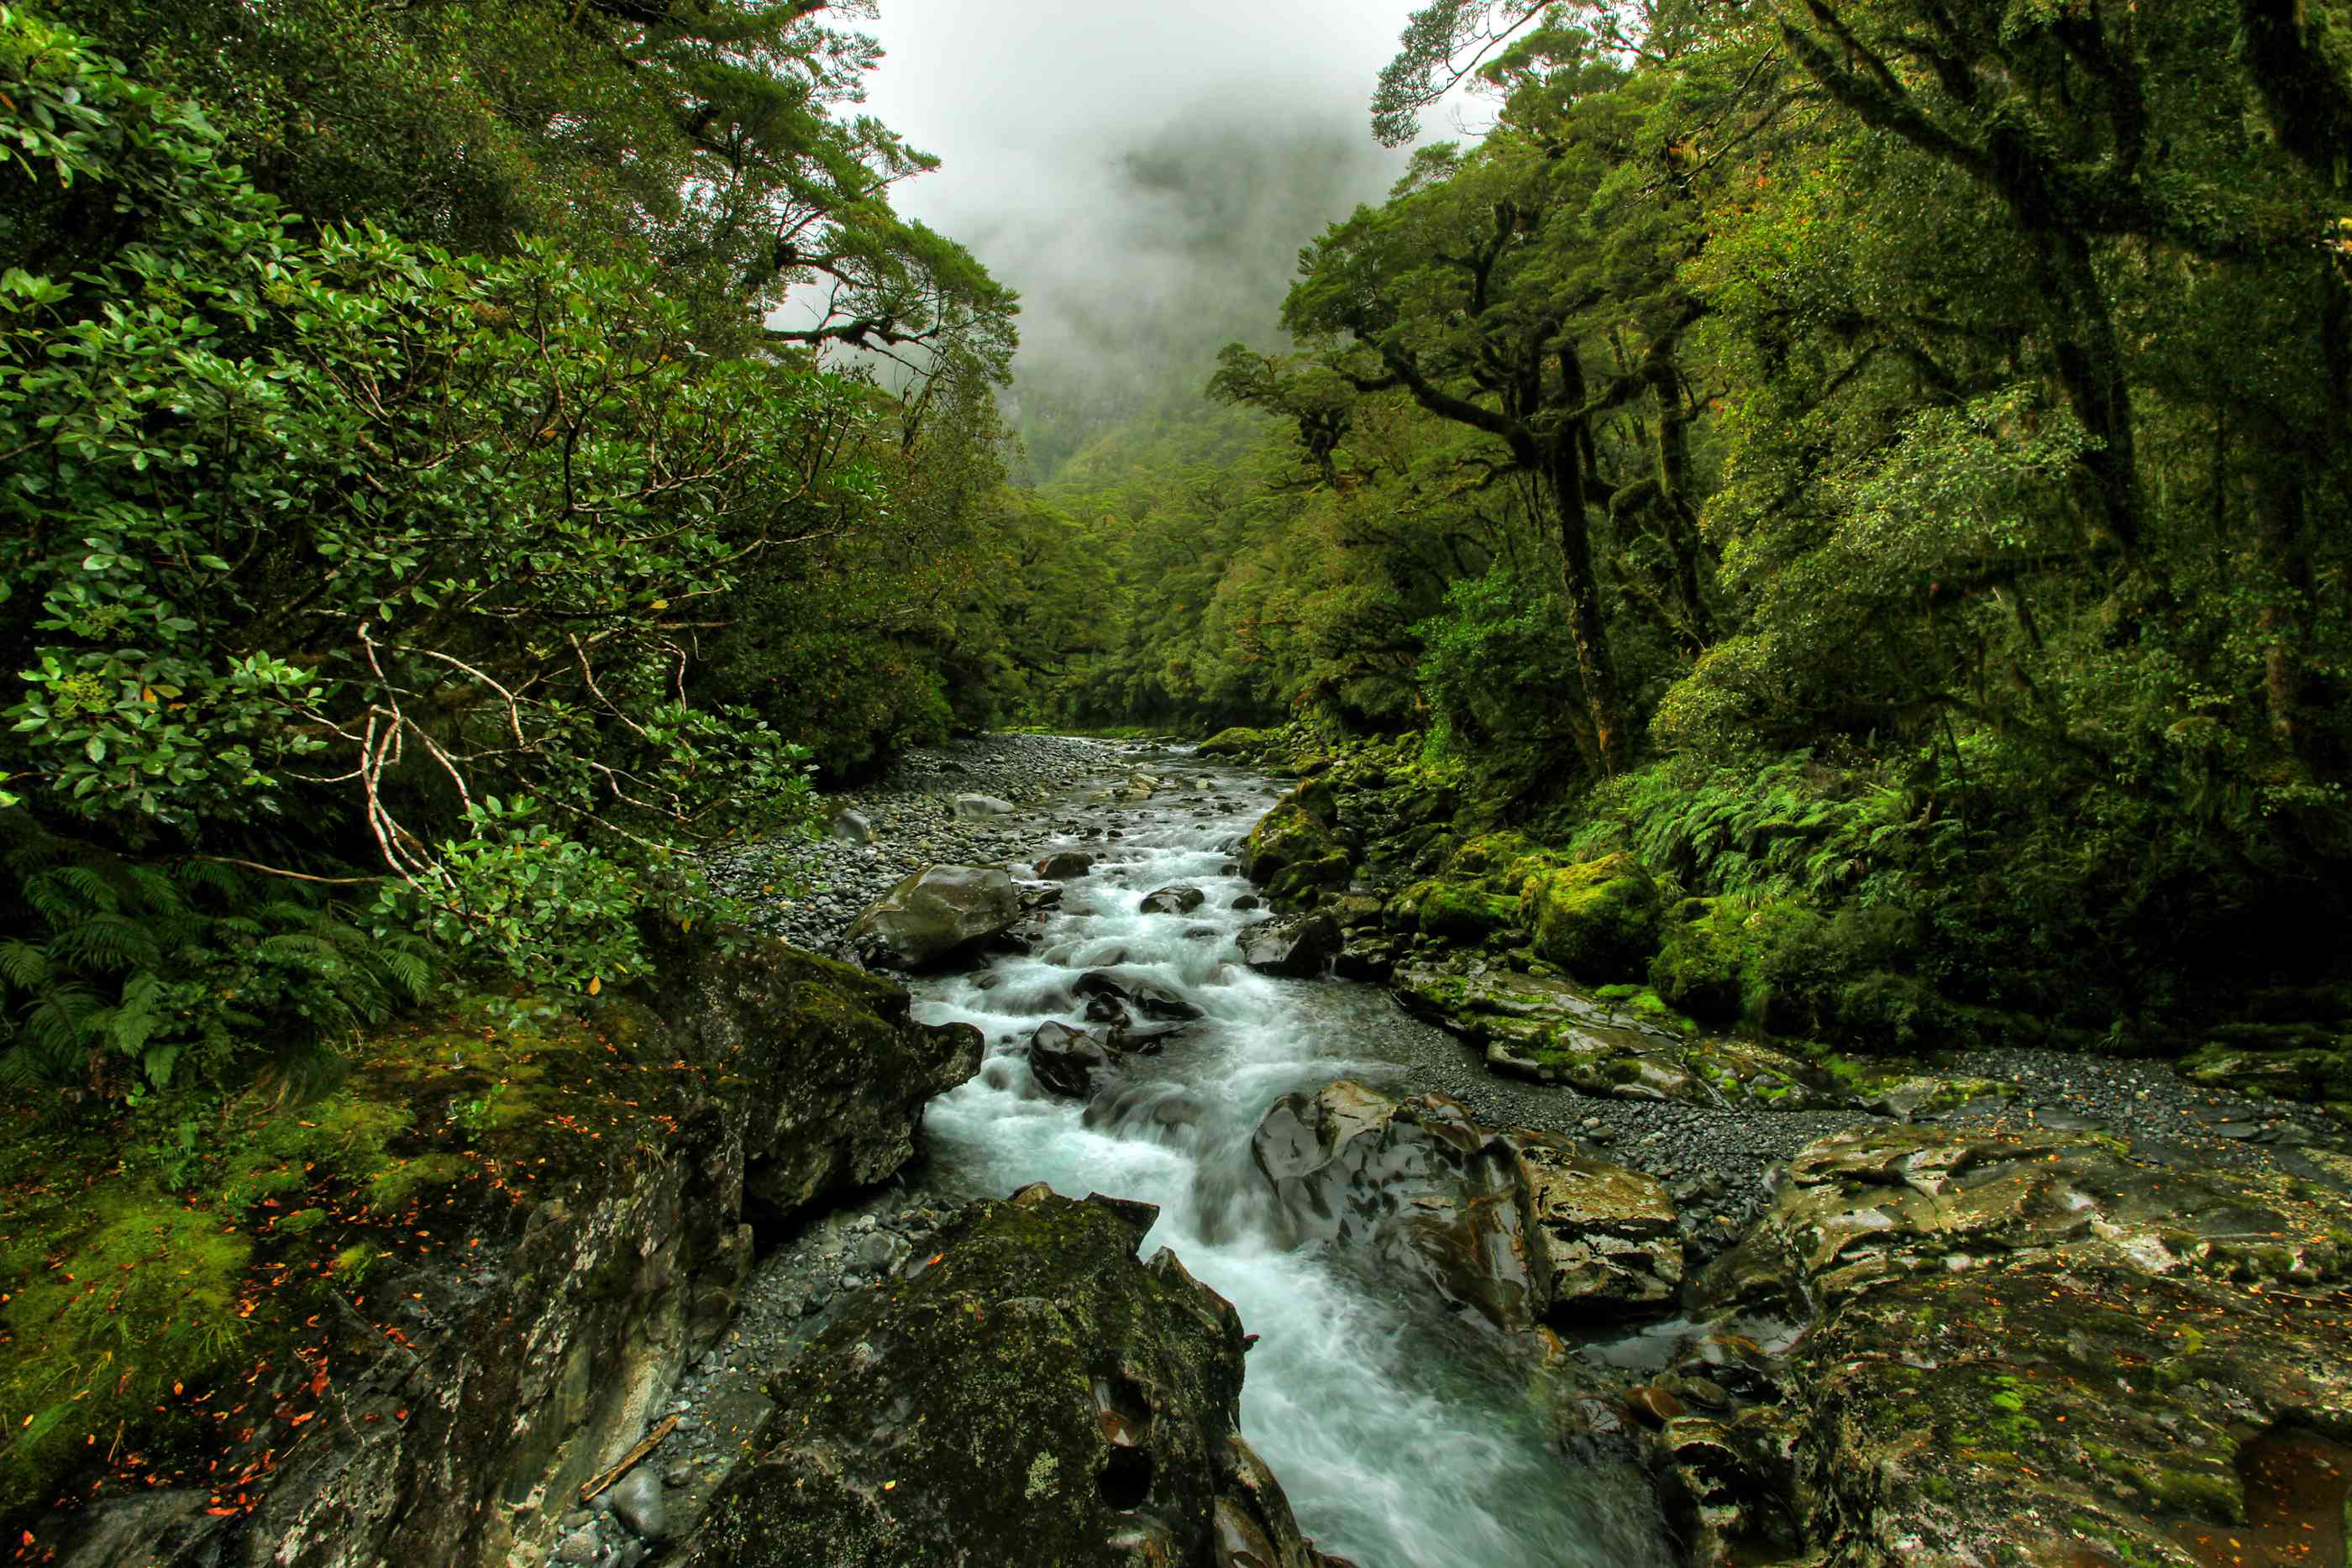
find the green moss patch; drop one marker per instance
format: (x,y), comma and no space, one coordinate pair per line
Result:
(163,1272)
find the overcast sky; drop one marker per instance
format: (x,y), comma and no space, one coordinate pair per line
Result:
(1142,171)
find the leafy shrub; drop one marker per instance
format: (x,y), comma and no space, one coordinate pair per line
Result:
(130,975)
(337,533)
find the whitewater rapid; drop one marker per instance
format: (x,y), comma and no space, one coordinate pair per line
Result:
(1404,1435)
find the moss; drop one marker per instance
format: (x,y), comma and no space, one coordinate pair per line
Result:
(1699,968)
(403,1180)
(147,1261)
(1292,851)
(1460,910)
(1235,742)
(122,1302)
(1597,921)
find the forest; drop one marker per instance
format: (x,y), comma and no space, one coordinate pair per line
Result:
(1886,464)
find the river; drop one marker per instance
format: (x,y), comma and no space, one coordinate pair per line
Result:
(1405,1436)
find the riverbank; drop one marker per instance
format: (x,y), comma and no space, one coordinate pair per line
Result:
(1719,1160)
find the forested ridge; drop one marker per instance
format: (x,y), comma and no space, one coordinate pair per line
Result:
(1882,466)
(1888,455)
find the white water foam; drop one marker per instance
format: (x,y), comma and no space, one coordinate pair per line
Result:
(1406,1437)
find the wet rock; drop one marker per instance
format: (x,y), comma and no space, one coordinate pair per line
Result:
(1605,1237)
(2025,1345)
(1293,851)
(1551,1031)
(1298,944)
(979,808)
(637,1502)
(1144,1040)
(1515,1225)
(1066,864)
(1067,1061)
(1101,1390)
(1154,1000)
(1174,901)
(933,914)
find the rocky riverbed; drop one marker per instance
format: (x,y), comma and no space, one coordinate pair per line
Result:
(1721,1166)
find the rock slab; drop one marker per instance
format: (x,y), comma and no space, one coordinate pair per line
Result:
(1036,1394)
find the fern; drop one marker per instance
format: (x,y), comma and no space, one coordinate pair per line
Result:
(115,971)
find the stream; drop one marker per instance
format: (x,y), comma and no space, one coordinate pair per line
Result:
(1403,1434)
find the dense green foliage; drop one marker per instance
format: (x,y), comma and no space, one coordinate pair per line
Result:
(379,608)
(1953,399)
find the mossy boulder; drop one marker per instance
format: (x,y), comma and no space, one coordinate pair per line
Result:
(933,914)
(445,1293)
(1456,910)
(1295,852)
(1236,743)
(1032,1393)
(1597,920)
(1699,966)
(2032,1348)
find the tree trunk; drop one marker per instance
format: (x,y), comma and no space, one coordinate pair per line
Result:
(1681,523)
(1565,478)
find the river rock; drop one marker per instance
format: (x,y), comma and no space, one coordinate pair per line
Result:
(933,914)
(614,1267)
(1174,901)
(1066,864)
(1067,1061)
(1515,1225)
(1299,945)
(977,808)
(2028,1348)
(1038,1395)
(1295,852)
(1154,1000)
(638,1500)
(1551,1031)
(850,827)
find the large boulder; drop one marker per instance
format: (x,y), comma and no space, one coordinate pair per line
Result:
(1299,945)
(1551,1031)
(1033,1394)
(979,808)
(1295,852)
(608,1241)
(1067,1061)
(1242,744)
(1520,1226)
(2032,1348)
(933,914)
(1599,920)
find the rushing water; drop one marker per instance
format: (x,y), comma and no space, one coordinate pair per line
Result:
(1403,1434)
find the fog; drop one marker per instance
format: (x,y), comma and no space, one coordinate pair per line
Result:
(1144,173)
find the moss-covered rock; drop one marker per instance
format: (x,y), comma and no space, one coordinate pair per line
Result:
(1032,1395)
(2031,1349)
(933,914)
(1699,968)
(444,1293)
(1460,911)
(1597,920)
(1619,1041)
(1237,744)
(1294,853)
